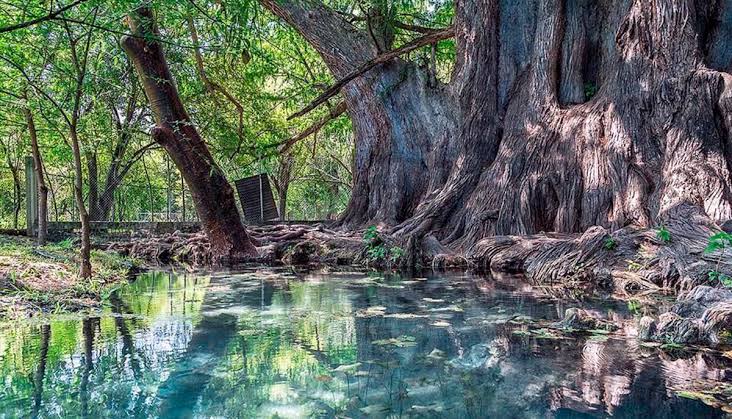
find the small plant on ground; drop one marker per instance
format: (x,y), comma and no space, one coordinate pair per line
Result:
(719,242)
(634,266)
(663,234)
(634,306)
(395,255)
(590,90)
(610,243)
(377,251)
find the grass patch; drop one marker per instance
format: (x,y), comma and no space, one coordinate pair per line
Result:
(45,279)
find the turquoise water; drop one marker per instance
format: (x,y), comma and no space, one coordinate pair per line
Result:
(276,344)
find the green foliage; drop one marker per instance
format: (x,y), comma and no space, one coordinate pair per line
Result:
(719,242)
(722,278)
(395,255)
(378,252)
(590,90)
(663,234)
(371,236)
(610,243)
(634,266)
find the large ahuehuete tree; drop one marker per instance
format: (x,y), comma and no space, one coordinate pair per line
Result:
(560,115)
(175,132)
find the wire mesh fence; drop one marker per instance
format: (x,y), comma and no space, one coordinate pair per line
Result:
(139,198)
(129,202)
(12,199)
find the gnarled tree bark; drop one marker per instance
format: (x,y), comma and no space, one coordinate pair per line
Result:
(175,132)
(567,114)
(401,122)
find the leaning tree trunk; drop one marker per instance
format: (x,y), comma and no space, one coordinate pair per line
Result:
(175,132)
(40,176)
(401,119)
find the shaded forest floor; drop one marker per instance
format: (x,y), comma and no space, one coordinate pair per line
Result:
(35,280)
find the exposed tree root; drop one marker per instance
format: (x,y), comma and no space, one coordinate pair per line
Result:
(631,262)
(290,244)
(702,315)
(628,260)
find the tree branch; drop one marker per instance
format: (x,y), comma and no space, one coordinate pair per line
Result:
(383,58)
(334,113)
(49,16)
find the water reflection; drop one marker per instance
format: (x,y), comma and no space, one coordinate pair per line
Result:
(264,344)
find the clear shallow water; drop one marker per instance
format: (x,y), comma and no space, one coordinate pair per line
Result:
(268,344)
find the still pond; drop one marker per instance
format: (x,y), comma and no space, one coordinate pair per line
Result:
(272,343)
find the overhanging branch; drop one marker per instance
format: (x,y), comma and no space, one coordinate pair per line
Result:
(312,129)
(428,39)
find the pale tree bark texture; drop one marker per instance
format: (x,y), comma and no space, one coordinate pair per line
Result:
(175,132)
(40,177)
(560,115)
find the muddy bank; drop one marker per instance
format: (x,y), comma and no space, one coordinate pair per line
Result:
(36,280)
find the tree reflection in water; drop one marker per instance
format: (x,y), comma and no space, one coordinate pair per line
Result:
(264,343)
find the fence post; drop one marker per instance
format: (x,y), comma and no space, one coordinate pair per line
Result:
(31,197)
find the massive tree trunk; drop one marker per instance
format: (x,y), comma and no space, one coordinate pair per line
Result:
(175,132)
(653,138)
(401,121)
(568,114)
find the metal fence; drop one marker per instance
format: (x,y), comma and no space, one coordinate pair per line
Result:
(12,200)
(130,202)
(160,199)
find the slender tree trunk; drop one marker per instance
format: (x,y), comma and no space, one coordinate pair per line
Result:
(118,168)
(40,178)
(85,270)
(211,192)
(17,190)
(282,183)
(92,169)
